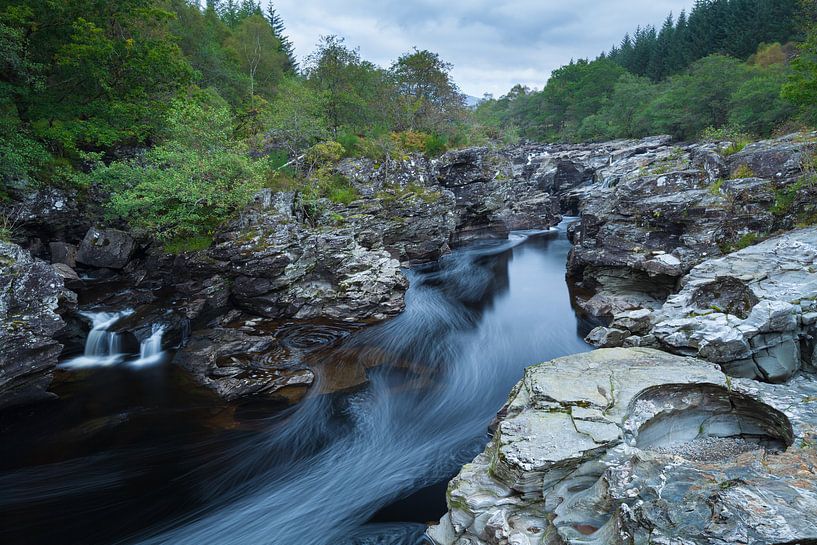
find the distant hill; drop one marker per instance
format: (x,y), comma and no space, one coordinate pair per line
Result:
(471,101)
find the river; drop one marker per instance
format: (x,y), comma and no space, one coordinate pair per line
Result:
(138,454)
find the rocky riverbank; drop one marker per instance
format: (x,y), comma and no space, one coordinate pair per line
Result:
(649,211)
(689,251)
(283,259)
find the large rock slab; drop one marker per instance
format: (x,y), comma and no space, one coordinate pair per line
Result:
(752,311)
(623,446)
(31,293)
(108,248)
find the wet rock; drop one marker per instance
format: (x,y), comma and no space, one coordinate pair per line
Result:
(236,364)
(32,296)
(45,213)
(414,224)
(369,177)
(109,248)
(637,322)
(498,190)
(777,159)
(288,271)
(66,273)
(607,337)
(615,290)
(624,446)
(64,253)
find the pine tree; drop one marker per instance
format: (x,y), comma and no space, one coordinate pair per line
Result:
(658,66)
(677,56)
(278,28)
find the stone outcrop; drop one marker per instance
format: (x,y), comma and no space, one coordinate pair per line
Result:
(625,446)
(44,214)
(754,311)
(108,248)
(32,297)
(495,192)
(236,364)
(652,211)
(284,268)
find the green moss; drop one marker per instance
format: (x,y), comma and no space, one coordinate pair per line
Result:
(188,244)
(392,193)
(342,195)
(735,147)
(785,198)
(715,188)
(742,171)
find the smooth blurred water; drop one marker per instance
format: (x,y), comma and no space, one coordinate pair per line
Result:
(361,467)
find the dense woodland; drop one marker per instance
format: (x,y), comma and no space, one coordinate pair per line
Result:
(179,111)
(730,66)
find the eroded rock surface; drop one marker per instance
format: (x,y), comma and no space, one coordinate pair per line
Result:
(32,296)
(754,311)
(654,210)
(623,446)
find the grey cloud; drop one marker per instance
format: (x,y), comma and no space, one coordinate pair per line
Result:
(492,45)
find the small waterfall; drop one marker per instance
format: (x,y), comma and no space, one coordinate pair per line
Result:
(102,347)
(150,351)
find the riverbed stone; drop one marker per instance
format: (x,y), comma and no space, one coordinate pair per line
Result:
(109,248)
(64,253)
(621,446)
(662,209)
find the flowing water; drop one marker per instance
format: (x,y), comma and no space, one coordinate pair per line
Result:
(138,455)
(102,347)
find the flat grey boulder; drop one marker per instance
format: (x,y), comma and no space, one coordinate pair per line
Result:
(624,446)
(108,248)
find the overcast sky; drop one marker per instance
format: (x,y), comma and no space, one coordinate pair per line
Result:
(492,44)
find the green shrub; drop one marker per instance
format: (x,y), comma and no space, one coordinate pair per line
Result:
(324,154)
(337,189)
(410,141)
(738,139)
(377,148)
(192,181)
(715,188)
(188,244)
(350,143)
(436,145)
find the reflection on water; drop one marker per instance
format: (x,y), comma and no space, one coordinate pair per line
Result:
(165,463)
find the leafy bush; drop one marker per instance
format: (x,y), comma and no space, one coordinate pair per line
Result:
(350,143)
(410,141)
(738,139)
(324,154)
(338,189)
(192,181)
(436,145)
(377,148)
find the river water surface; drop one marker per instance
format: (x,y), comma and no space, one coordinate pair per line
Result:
(140,455)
